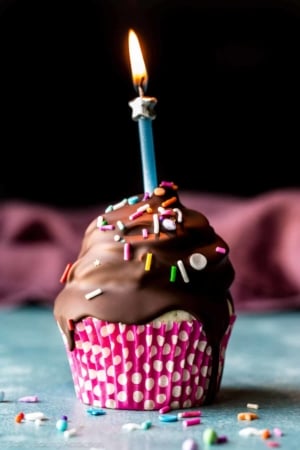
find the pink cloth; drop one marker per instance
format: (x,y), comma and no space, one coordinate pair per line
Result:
(263,232)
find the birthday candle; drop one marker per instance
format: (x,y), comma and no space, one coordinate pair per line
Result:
(143,113)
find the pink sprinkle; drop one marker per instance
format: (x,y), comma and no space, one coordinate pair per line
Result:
(277,431)
(221,250)
(191,422)
(164,409)
(146,196)
(107,227)
(136,214)
(126,251)
(29,399)
(187,414)
(166,183)
(272,444)
(145,233)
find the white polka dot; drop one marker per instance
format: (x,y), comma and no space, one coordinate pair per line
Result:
(92,374)
(105,352)
(176,376)
(80,326)
(117,360)
(157,324)
(111,371)
(107,329)
(125,352)
(122,396)
(170,366)
(140,329)
(78,345)
(174,339)
(195,369)
(190,358)
(86,346)
(88,329)
(153,351)
(136,378)
(176,391)
(101,375)
(183,336)
(199,392)
(110,403)
(128,366)
(149,340)
(169,326)
(177,351)
(88,385)
(122,327)
(188,390)
(97,390)
(119,338)
(166,349)
(182,363)
(208,350)
(163,381)
(203,371)
(161,398)
(122,379)
(157,365)
(160,340)
(139,351)
(146,367)
(130,336)
(138,396)
(187,404)
(93,359)
(84,359)
(83,372)
(149,383)
(186,375)
(149,405)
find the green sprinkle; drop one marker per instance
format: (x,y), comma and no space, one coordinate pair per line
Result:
(173,273)
(210,436)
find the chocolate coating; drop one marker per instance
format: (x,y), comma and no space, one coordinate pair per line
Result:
(130,293)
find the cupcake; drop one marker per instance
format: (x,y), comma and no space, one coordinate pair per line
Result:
(145,312)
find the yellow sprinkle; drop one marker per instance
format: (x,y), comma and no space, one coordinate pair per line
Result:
(148,261)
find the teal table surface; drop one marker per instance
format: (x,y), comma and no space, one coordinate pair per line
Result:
(262,367)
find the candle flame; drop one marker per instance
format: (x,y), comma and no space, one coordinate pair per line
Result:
(138,68)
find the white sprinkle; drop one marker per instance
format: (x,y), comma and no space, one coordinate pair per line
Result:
(35,416)
(143,207)
(120,225)
(155,224)
(120,204)
(249,431)
(179,214)
(183,271)
(99,221)
(71,432)
(131,426)
(198,261)
(252,406)
(93,294)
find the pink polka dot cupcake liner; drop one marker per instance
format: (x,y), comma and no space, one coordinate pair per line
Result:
(143,367)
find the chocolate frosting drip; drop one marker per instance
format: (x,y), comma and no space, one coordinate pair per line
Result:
(133,293)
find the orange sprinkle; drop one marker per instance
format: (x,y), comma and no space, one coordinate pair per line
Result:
(247,416)
(265,434)
(169,202)
(64,276)
(19,417)
(159,191)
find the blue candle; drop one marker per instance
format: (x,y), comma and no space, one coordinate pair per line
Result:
(143,113)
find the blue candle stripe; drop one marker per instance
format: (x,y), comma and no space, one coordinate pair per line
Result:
(147,154)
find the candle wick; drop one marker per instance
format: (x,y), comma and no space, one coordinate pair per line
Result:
(140,91)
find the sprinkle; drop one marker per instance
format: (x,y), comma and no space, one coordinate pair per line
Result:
(148,261)
(164,409)
(1,396)
(97,262)
(183,271)
(179,214)
(146,425)
(61,425)
(71,325)
(135,215)
(222,439)
(120,225)
(19,417)
(221,250)
(173,274)
(71,432)
(159,191)
(64,276)
(168,202)
(273,444)
(107,227)
(120,204)
(190,422)
(93,294)
(155,224)
(189,444)
(127,251)
(265,434)
(198,261)
(210,436)
(143,207)
(277,432)
(252,405)
(29,399)
(132,200)
(131,426)
(168,418)
(249,431)
(187,414)
(100,221)
(95,411)
(146,196)
(247,416)
(167,183)
(109,209)
(169,224)
(35,415)
(145,233)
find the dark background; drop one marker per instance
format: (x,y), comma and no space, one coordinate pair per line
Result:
(225,73)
